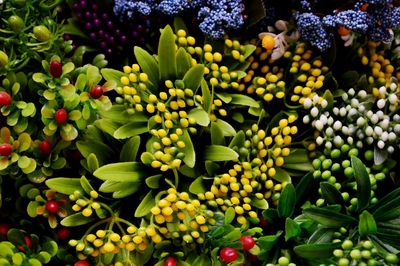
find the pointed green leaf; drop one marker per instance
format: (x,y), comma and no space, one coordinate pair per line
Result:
(110,74)
(197,186)
(145,205)
(193,77)
(86,185)
(183,63)
(76,219)
(200,116)
(367,224)
(190,155)
(228,130)
(303,187)
(218,153)
(240,99)
(207,97)
(92,162)
(130,130)
(316,251)
(287,201)
(121,172)
(217,135)
(147,63)
(229,215)
(64,185)
(331,194)
(329,217)
(130,149)
(166,54)
(292,229)
(153,181)
(363,183)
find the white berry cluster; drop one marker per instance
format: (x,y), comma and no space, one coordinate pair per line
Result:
(358,118)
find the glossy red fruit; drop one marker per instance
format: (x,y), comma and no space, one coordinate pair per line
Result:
(5,149)
(248,242)
(82,263)
(61,116)
(28,243)
(4,229)
(45,147)
(228,255)
(52,206)
(5,98)
(96,92)
(55,68)
(63,233)
(170,261)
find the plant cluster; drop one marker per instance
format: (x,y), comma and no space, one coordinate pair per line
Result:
(276,149)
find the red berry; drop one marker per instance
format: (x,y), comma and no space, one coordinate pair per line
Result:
(4,229)
(170,261)
(61,116)
(28,244)
(55,69)
(5,98)
(82,263)
(63,233)
(96,92)
(248,242)
(228,255)
(5,149)
(45,147)
(52,206)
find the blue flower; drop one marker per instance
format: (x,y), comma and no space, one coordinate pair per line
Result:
(129,9)
(353,20)
(311,29)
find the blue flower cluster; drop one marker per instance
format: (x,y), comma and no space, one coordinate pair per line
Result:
(311,29)
(215,16)
(375,20)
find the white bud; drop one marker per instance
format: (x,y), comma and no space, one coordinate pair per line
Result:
(350,140)
(315,98)
(307,103)
(345,96)
(338,141)
(380,114)
(384,123)
(337,125)
(374,118)
(397,129)
(392,136)
(348,107)
(345,130)
(306,119)
(361,108)
(381,144)
(370,140)
(352,112)
(390,149)
(360,121)
(324,103)
(396,118)
(378,130)
(362,94)
(314,112)
(369,131)
(381,103)
(385,136)
(354,103)
(352,129)
(323,119)
(393,98)
(329,132)
(330,121)
(343,112)
(382,90)
(369,114)
(319,125)
(335,110)
(393,86)
(359,144)
(319,140)
(351,92)
(328,145)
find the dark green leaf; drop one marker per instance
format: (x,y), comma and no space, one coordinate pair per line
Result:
(193,77)
(329,217)
(363,183)
(64,185)
(147,63)
(303,187)
(183,63)
(366,224)
(153,181)
(167,54)
(76,219)
(211,167)
(130,149)
(266,243)
(316,251)
(218,153)
(331,194)
(297,156)
(292,229)
(321,235)
(145,205)
(287,201)
(92,163)
(238,140)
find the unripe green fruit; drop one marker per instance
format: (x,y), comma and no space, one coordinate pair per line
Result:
(335,153)
(326,164)
(355,254)
(392,258)
(316,164)
(16,23)
(41,33)
(369,155)
(347,244)
(3,59)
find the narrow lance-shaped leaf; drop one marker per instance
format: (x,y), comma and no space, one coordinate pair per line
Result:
(316,251)
(64,185)
(145,205)
(363,183)
(193,77)
(287,201)
(147,63)
(367,224)
(329,217)
(331,194)
(120,172)
(167,54)
(218,153)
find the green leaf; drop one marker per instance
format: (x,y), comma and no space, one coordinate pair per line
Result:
(130,130)
(86,185)
(39,77)
(109,186)
(110,74)
(145,205)
(64,185)
(202,118)
(303,187)
(282,176)
(51,247)
(367,224)
(331,194)
(207,97)
(292,229)
(29,110)
(260,203)
(166,54)
(297,156)
(188,150)
(241,99)
(76,219)
(217,136)
(130,149)
(321,235)
(266,243)
(147,63)
(305,167)
(44,257)
(67,68)
(92,162)
(153,181)
(5,250)
(197,186)
(329,98)
(238,140)
(233,235)
(179,24)
(183,63)
(219,153)
(126,190)
(329,217)
(102,151)
(193,77)
(287,201)
(316,251)
(229,215)
(121,172)
(363,183)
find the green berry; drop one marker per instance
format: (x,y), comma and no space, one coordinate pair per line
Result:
(348,172)
(3,59)
(326,174)
(355,254)
(345,148)
(366,254)
(335,167)
(353,152)
(392,258)
(316,163)
(16,23)
(369,155)
(347,244)
(335,153)
(344,262)
(338,253)
(41,33)
(283,261)
(326,164)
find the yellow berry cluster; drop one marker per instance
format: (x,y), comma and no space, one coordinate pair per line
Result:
(253,178)
(382,70)
(180,217)
(83,204)
(216,72)
(107,241)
